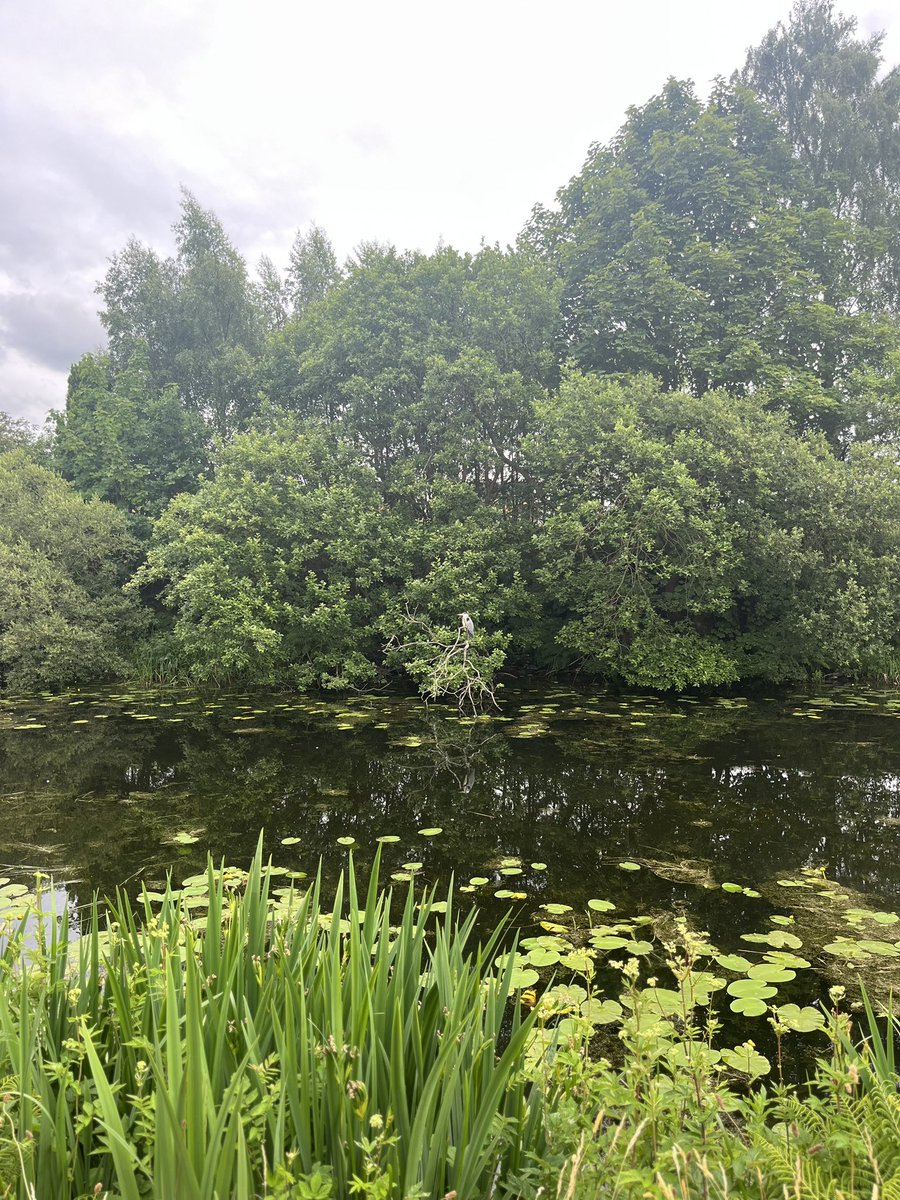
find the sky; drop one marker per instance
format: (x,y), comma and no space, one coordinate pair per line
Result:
(401,122)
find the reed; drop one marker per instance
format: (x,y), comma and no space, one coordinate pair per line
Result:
(273,1047)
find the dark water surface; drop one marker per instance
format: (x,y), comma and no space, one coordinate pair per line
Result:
(97,788)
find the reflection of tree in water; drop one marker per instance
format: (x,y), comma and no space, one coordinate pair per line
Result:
(755,796)
(460,748)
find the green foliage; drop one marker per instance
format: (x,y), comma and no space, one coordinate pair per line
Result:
(714,498)
(839,111)
(686,252)
(275,567)
(122,440)
(193,320)
(698,540)
(429,362)
(16,434)
(63,617)
(312,269)
(238,1037)
(292,1049)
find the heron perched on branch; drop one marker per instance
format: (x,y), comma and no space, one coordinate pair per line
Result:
(467,625)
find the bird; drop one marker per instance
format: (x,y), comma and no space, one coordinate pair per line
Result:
(467,625)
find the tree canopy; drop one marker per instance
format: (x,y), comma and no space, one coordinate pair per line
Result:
(656,441)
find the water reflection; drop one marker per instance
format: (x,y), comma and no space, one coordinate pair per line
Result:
(573,781)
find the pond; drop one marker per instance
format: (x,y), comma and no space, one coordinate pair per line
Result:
(775,817)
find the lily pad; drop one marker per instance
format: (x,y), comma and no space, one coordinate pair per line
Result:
(801,1020)
(747,1059)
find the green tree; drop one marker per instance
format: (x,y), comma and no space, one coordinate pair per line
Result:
(312,269)
(429,362)
(195,317)
(685,252)
(840,115)
(63,616)
(274,569)
(122,440)
(697,540)
(16,433)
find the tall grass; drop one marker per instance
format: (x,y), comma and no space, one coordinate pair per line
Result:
(288,1049)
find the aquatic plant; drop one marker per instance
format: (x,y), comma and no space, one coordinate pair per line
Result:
(237,1039)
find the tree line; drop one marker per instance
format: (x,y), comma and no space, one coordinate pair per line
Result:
(655,442)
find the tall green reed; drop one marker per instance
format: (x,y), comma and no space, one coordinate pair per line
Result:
(285,1048)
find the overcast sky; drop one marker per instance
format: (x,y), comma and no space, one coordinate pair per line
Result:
(401,121)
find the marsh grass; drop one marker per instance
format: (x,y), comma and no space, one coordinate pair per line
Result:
(287,1049)
(237,1038)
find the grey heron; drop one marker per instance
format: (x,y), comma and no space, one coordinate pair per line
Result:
(467,625)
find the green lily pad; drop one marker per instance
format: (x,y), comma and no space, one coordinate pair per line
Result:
(755,989)
(601,905)
(776,938)
(771,973)
(523,977)
(748,1006)
(629,866)
(747,1060)
(432,832)
(801,1020)
(783,958)
(543,957)
(733,962)
(290,841)
(601,1012)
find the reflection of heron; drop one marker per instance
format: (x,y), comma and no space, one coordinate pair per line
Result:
(467,625)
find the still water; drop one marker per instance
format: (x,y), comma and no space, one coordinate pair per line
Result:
(564,796)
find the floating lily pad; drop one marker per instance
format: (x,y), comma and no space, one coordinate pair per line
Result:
(433,832)
(733,962)
(801,1020)
(184,838)
(748,1006)
(601,905)
(771,973)
(601,1012)
(755,989)
(346,841)
(290,841)
(747,1059)
(629,866)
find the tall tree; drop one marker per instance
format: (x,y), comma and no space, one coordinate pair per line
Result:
(431,362)
(195,316)
(124,440)
(683,253)
(841,117)
(698,540)
(312,269)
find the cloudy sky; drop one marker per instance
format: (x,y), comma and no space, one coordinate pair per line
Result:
(401,121)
